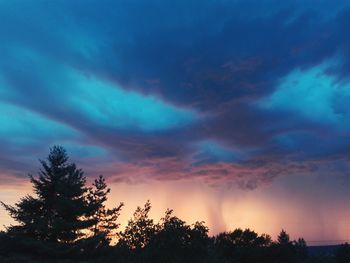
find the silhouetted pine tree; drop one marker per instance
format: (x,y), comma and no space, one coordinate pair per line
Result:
(104,219)
(283,238)
(284,249)
(301,249)
(57,212)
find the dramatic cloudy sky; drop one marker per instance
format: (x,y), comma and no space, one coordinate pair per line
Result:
(232,112)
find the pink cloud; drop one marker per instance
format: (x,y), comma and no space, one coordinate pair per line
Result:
(244,176)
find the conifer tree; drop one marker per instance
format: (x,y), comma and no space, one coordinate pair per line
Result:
(57,212)
(104,219)
(283,238)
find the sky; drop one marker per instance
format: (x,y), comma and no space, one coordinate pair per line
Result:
(231,112)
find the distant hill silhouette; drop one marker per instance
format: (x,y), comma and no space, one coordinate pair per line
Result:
(325,249)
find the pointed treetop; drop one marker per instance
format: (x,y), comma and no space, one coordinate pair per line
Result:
(283,238)
(57,156)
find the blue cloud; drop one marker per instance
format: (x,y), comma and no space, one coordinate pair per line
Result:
(68,91)
(85,151)
(24,134)
(108,105)
(214,151)
(22,127)
(314,93)
(112,76)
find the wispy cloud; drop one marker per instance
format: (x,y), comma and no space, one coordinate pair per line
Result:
(228,92)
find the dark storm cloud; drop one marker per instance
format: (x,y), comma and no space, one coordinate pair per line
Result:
(177,90)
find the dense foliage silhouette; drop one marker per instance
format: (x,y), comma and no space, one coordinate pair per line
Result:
(67,221)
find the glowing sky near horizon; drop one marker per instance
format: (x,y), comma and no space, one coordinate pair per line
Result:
(232,112)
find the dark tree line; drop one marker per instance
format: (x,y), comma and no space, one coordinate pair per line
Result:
(66,221)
